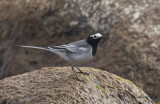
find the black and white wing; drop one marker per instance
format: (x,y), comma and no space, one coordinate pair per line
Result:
(74,47)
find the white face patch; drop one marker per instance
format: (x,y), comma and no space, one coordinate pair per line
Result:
(95,36)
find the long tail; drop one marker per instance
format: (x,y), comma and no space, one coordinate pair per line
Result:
(35,47)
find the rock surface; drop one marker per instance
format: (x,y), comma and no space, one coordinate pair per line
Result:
(56,85)
(132,51)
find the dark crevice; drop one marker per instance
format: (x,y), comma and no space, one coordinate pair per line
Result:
(1,63)
(33,63)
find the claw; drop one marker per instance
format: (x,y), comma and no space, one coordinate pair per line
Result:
(80,71)
(78,79)
(85,73)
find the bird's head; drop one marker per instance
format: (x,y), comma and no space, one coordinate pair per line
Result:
(96,36)
(94,39)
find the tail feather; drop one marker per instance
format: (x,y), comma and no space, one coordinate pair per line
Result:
(60,52)
(35,47)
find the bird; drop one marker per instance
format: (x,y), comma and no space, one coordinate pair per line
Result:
(75,52)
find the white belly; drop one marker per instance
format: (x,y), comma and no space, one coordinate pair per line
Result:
(80,58)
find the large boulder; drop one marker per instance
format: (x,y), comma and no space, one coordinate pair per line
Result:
(132,50)
(58,85)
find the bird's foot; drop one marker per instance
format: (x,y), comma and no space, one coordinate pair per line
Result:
(81,72)
(85,73)
(78,79)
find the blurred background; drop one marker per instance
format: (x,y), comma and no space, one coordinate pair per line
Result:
(132,50)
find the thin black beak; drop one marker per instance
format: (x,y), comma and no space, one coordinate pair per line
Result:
(104,36)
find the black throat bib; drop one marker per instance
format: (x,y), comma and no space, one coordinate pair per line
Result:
(93,43)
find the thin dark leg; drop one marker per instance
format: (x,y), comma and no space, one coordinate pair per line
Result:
(75,73)
(80,71)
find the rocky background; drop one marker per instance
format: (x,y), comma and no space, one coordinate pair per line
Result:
(132,50)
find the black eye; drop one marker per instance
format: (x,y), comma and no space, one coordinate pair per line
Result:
(94,37)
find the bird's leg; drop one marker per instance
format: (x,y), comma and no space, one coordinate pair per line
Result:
(75,73)
(80,71)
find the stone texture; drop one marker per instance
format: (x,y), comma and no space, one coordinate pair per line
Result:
(52,85)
